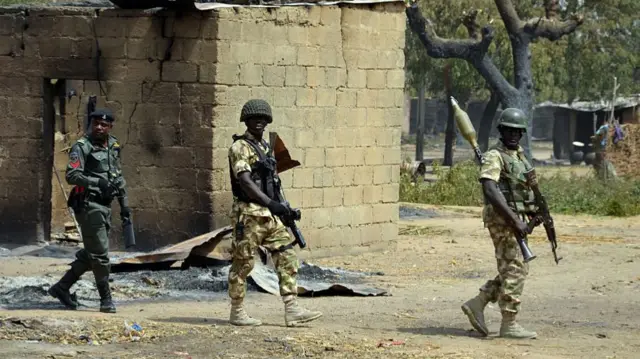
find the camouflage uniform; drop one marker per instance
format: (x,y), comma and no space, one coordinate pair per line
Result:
(507,286)
(506,168)
(255,225)
(260,228)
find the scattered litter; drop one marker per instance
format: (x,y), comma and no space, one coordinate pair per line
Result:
(134,331)
(390,342)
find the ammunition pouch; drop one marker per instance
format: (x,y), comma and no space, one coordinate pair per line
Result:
(522,197)
(263,174)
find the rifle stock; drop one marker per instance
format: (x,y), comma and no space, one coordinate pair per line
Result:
(127,227)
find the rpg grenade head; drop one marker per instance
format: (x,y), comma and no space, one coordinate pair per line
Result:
(255,108)
(513,118)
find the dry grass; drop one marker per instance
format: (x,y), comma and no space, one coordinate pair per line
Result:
(624,155)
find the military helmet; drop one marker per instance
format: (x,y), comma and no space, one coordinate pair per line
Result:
(514,118)
(102,113)
(256,107)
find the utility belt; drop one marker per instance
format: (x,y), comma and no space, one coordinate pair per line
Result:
(80,196)
(99,199)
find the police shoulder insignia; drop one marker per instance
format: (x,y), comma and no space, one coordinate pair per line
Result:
(74,159)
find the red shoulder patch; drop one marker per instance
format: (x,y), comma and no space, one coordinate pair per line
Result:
(75,164)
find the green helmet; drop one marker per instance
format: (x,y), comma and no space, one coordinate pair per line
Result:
(514,118)
(254,108)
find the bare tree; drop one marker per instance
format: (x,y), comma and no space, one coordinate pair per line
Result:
(519,94)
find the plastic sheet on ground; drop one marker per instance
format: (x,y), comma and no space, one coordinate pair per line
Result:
(310,283)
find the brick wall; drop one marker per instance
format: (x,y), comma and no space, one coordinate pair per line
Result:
(334,76)
(149,69)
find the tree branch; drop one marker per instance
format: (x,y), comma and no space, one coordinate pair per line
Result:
(509,16)
(470,21)
(474,51)
(440,48)
(552,29)
(496,80)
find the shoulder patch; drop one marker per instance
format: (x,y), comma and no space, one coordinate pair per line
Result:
(74,159)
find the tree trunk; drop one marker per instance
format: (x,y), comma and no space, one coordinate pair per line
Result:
(451,130)
(524,98)
(486,123)
(420,123)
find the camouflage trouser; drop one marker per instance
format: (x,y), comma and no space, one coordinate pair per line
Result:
(507,286)
(270,233)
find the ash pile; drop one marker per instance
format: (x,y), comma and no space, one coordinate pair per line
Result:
(196,269)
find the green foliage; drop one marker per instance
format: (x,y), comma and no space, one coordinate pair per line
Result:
(576,66)
(606,45)
(568,194)
(458,186)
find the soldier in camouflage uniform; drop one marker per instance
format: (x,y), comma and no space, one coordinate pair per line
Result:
(255,217)
(506,197)
(94,170)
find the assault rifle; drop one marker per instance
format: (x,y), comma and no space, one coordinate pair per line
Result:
(283,159)
(542,216)
(127,222)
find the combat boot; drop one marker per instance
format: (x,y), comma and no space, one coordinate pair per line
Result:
(474,309)
(61,292)
(511,329)
(239,316)
(106,303)
(294,314)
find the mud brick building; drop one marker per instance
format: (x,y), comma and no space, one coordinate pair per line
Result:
(176,82)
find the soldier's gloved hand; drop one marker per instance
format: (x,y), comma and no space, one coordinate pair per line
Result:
(104,185)
(521,229)
(125,212)
(277,208)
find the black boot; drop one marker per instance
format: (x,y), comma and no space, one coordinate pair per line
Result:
(106,303)
(60,290)
(101,273)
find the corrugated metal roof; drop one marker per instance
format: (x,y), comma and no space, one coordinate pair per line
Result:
(593,106)
(216,5)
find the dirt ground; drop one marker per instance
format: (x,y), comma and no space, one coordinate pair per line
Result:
(585,307)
